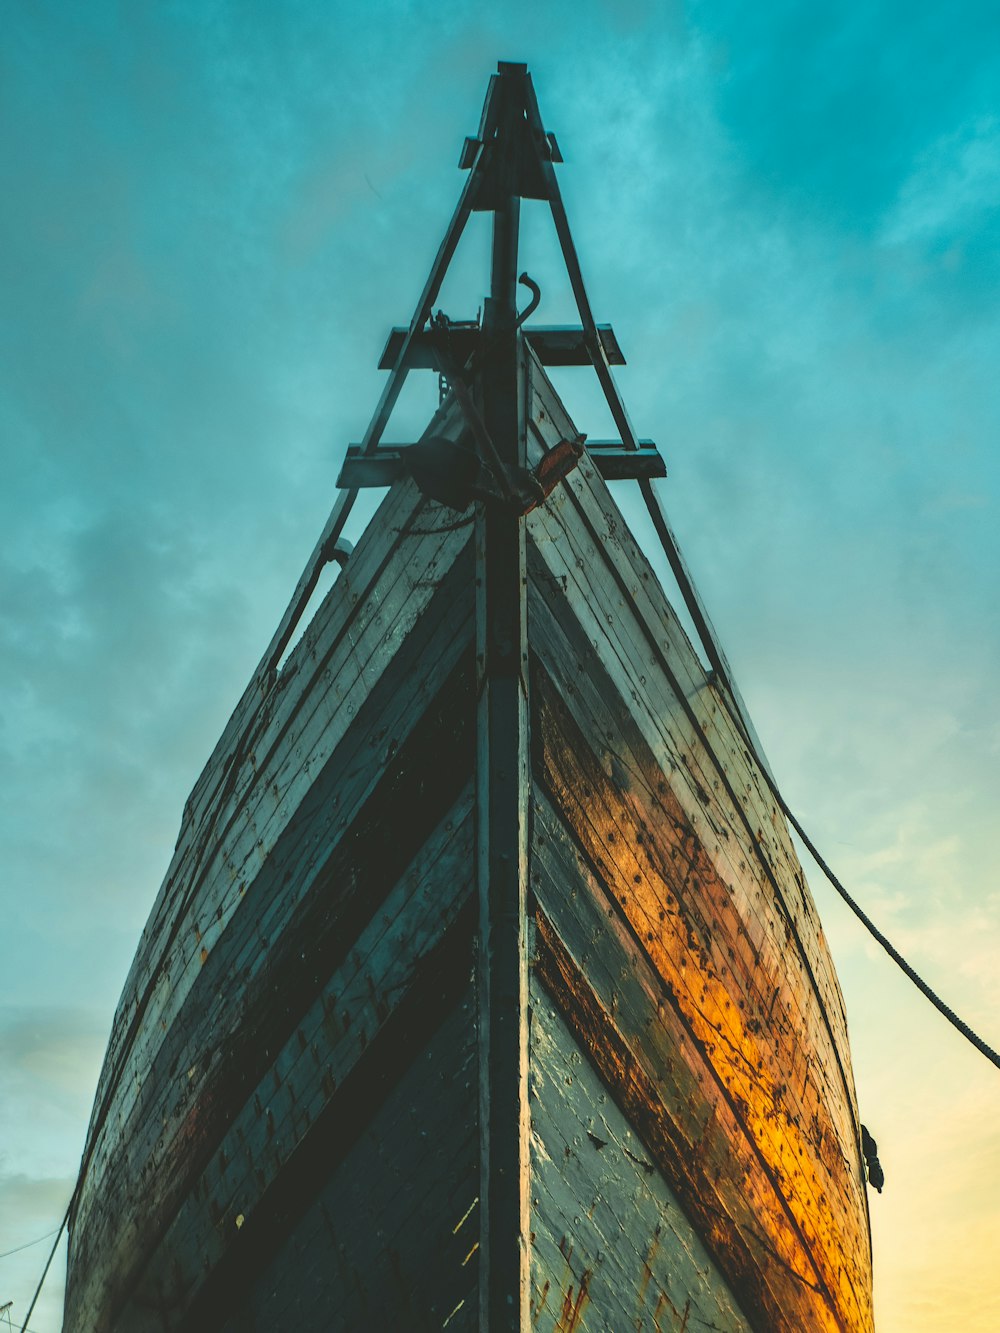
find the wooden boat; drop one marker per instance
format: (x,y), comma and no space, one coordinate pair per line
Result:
(484,989)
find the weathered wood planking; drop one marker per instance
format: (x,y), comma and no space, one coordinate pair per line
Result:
(611,1246)
(638,838)
(251,714)
(291,1089)
(675,704)
(333,650)
(378,1007)
(252,942)
(390,1241)
(796,1093)
(220,1171)
(149,1123)
(338,691)
(625,614)
(655,845)
(743,874)
(634,1030)
(353,639)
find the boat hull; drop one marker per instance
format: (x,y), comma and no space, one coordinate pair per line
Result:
(288,1127)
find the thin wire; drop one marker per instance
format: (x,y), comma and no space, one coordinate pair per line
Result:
(28,1244)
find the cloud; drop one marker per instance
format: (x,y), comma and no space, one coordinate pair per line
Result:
(52,1047)
(953,191)
(51,1057)
(938,1149)
(32,1201)
(829,107)
(789,215)
(30,1207)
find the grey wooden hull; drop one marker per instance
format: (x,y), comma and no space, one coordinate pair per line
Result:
(287,1131)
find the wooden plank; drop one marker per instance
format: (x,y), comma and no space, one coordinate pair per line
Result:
(705,1153)
(616,462)
(553,344)
(389,463)
(255,927)
(385,1245)
(396,963)
(736,995)
(245,966)
(565,345)
(502,779)
(339,670)
(256,938)
(399,512)
(581,531)
(819,1079)
(686,723)
(373,570)
(381,468)
(637,1096)
(276,782)
(407,1068)
(611,1245)
(678,749)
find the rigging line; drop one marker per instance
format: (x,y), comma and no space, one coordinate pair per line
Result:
(758,850)
(28,1244)
(730,696)
(944,1009)
(48,1261)
(9,1325)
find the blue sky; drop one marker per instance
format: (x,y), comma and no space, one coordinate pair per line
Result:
(213,213)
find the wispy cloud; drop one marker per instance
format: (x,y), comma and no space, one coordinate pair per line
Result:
(953,192)
(791,217)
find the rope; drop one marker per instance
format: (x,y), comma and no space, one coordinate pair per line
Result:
(944,1009)
(741,721)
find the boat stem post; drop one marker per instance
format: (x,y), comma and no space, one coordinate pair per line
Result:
(502,776)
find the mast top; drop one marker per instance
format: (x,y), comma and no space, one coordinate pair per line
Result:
(511,157)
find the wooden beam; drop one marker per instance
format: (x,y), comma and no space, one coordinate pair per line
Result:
(617,462)
(341,511)
(595,346)
(501,784)
(388,464)
(553,344)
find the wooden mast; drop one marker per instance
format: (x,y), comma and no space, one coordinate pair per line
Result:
(502,776)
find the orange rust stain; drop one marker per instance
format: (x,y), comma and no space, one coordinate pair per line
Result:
(572,1310)
(691,1162)
(647,1267)
(541,1303)
(661,1301)
(771,1070)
